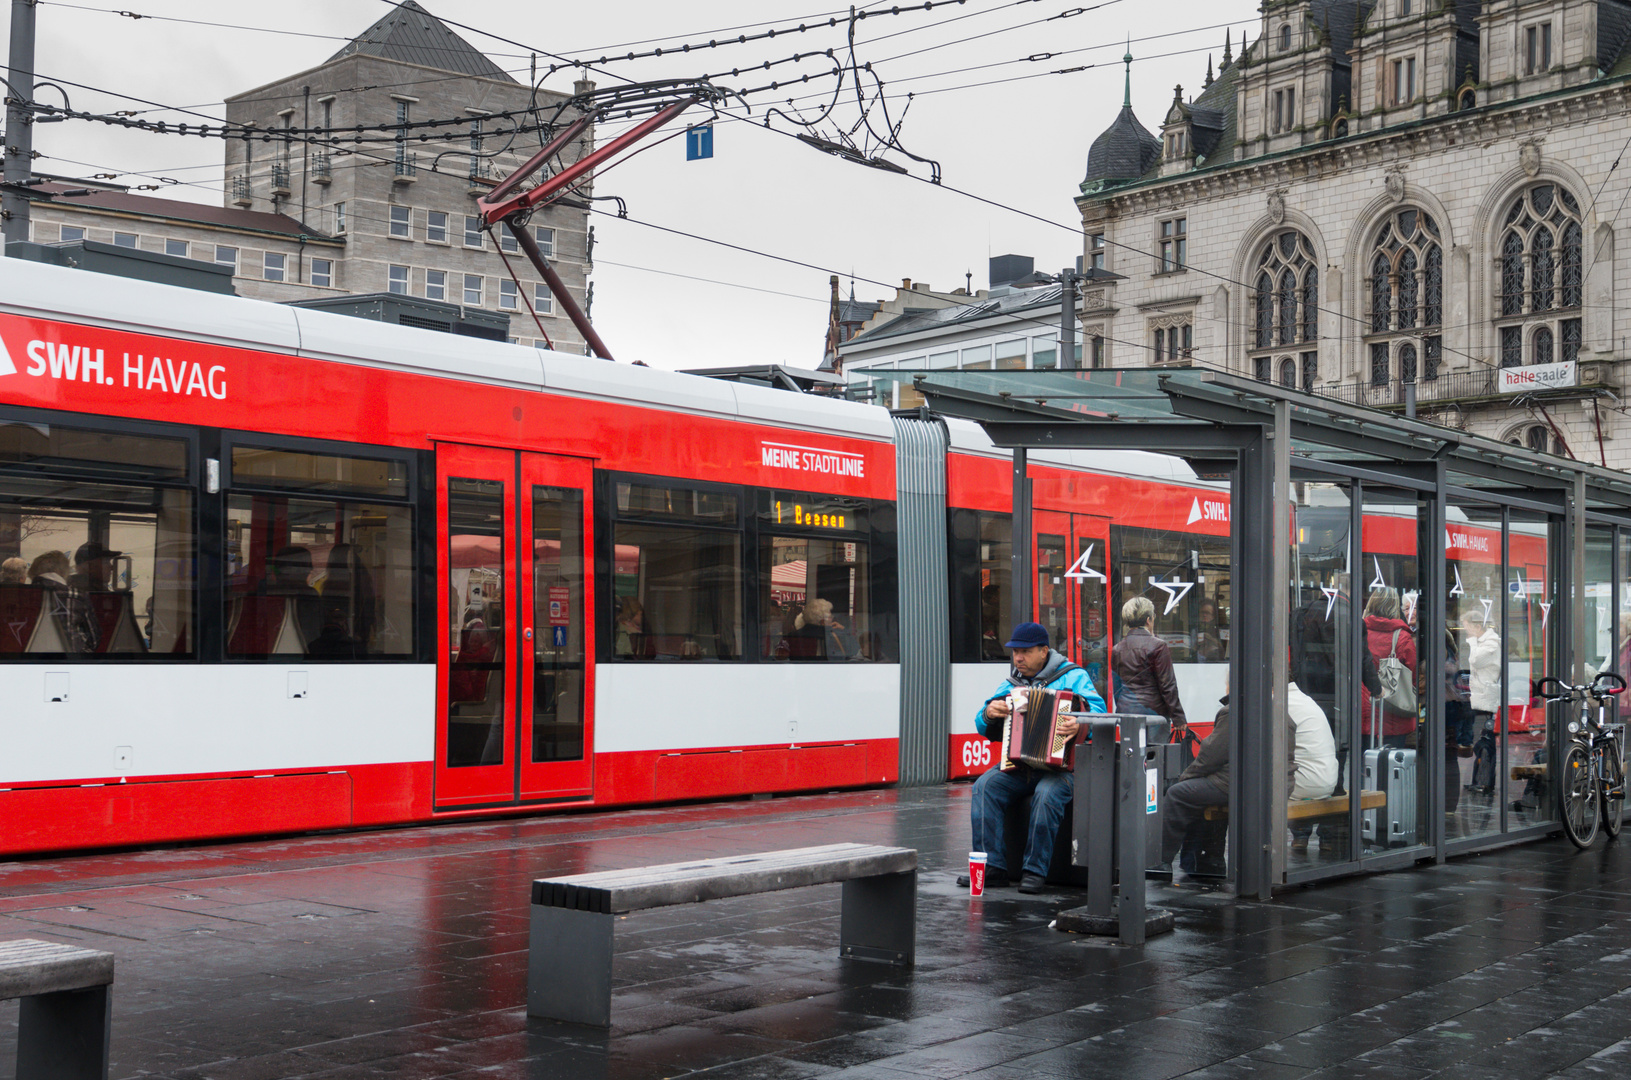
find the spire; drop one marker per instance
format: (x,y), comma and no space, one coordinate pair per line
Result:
(1209,80)
(1127,97)
(1228,57)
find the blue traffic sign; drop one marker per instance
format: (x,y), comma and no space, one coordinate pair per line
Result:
(699,142)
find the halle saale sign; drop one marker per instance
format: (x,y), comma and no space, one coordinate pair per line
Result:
(1516,380)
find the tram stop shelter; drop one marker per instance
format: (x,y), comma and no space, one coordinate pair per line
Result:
(1336,510)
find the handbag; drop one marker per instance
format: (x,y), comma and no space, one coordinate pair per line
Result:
(1398,688)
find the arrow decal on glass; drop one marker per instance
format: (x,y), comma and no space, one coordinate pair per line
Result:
(1080,570)
(1176,590)
(1486,604)
(1458,590)
(1380,582)
(1331,592)
(1545,611)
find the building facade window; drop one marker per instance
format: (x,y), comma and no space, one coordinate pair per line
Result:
(435,227)
(1540,438)
(546,240)
(1404,80)
(1537,48)
(124,239)
(1541,279)
(1285,299)
(227,256)
(435,284)
(507,242)
(322,273)
(402,222)
(1285,38)
(1174,245)
(1095,251)
(72,234)
(273,267)
(506,294)
(1285,109)
(398,277)
(542,301)
(176,248)
(1406,294)
(1310,370)
(339,218)
(1175,342)
(472,290)
(472,231)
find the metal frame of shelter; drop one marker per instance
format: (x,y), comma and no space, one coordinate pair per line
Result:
(1265,438)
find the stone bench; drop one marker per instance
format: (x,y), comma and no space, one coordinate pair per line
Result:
(569,966)
(65,1013)
(1297,809)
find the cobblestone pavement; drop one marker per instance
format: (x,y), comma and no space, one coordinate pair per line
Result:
(403,954)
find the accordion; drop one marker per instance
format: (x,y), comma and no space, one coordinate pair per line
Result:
(1032,733)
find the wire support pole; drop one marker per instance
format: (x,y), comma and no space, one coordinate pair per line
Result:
(557,287)
(15,205)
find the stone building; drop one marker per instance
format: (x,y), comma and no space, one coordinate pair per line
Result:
(304,219)
(1382,193)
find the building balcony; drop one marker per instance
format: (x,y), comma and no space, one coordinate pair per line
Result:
(240,192)
(322,171)
(280,182)
(405,169)
(481,176)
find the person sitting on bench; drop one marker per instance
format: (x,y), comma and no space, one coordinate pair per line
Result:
(1205,783)
(1035,664)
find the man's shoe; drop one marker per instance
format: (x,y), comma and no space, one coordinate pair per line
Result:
(1032,883)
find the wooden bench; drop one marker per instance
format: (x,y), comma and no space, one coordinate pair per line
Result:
(1298,809)
(65,1012)
(569,966)
(1529,772)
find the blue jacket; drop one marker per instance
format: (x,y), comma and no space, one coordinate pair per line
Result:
(1053,676)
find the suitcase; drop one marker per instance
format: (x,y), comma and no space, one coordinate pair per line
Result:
(1392,771)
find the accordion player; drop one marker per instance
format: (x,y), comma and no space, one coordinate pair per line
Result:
(1034,731)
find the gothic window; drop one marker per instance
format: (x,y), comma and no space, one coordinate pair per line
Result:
(1432,352)
(1406,297)
(1286,300)
(1571,340)
(1285,37)
(1311,369)
(1538,437)
(1542,277)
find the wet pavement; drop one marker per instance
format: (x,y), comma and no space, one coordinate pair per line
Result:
(403,954)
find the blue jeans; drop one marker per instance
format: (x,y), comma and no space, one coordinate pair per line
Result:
(996,790)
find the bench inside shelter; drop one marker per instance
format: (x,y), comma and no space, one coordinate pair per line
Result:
(1303,809)
(569,967)
(65,1013)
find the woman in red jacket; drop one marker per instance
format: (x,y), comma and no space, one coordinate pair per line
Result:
(1387,634)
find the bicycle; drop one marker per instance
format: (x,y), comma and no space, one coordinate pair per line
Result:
(1592,776)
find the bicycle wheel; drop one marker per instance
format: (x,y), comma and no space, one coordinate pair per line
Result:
(1613,787)
(1577,794)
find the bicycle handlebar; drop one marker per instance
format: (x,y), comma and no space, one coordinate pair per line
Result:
(1554,689)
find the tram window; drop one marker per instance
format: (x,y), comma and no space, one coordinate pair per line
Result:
(101,569)
(676,593)
(677,574)
(981,576)
(318,578)
(1192,614)
(815,586)
(42,448)
(329,474)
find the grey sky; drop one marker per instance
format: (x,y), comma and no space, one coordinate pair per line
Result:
(1023,142)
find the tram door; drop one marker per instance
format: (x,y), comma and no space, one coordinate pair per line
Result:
(1073,588)
(516,689)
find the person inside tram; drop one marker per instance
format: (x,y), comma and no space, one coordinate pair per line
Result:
(835,642)
(1035,664)
(14,571)
(1209,647)
(346,607)
(93,568)
(49,570)
(630,639)
(1142,662)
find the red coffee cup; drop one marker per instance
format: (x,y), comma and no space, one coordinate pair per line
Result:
(976,873)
